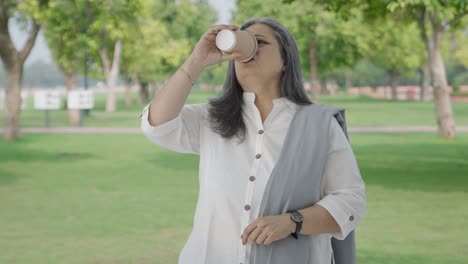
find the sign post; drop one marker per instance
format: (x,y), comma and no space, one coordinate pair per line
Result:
(47,100)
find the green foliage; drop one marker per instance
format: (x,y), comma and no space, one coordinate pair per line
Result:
(73,26)
(166,34)
(65,33)
(443,11)
(458,41)
(35,9)
(365,73)
(396,47)
(460,79)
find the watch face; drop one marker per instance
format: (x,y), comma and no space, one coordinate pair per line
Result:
(297,216)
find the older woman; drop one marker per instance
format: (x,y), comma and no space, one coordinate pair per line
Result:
(289,185)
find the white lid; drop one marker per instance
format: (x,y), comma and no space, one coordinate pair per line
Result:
(225,40)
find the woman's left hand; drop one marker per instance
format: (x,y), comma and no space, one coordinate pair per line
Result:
(267,229)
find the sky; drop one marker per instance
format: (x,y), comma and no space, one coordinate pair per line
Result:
(42,52)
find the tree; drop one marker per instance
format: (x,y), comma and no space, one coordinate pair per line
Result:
(396,48)
(167,33)
(64,30)
(32,13)
(109,24)
(435,17)
(149,52)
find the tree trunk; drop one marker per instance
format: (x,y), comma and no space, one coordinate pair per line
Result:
(130,82)
(73,114)
(424,82)
(12,109)
(443,105)
(13,61)
(323,86)
(314,86)
(144,93)
(112,73)
(128,95)
(394,80)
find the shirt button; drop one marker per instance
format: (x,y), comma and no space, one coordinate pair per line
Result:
(247,207)
(258,156)
(260,131)
(351,218)
(252,178)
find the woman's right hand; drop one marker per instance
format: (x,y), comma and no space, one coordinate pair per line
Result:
(206,53)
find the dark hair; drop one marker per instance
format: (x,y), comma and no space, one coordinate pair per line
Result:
(225,111)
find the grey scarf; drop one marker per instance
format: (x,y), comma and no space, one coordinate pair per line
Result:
(295,184)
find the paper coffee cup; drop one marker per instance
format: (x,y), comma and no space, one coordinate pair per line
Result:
(242,41)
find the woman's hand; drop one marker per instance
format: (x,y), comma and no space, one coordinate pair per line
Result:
(266,230)
(206,53)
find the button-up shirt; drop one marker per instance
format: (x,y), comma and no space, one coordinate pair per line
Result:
(233,177)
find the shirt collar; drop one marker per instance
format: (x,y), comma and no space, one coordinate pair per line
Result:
(249,98)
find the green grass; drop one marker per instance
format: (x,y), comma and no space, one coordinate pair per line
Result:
(120,199)
(360,111)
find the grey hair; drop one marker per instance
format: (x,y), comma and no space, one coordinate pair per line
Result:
(225,111)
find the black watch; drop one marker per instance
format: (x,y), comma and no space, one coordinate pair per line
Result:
(298,219)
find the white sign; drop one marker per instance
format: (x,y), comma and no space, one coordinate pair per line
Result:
(46,100)
(80,99)
(24,98)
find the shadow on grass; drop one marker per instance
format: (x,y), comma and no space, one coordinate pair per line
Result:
(426,167)
(20,151)
(419,166)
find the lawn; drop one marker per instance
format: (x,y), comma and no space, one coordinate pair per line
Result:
(360,111)
(119,199)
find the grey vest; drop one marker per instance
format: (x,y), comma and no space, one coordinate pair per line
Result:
(295,184)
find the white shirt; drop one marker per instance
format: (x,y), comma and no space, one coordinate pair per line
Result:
(226,185)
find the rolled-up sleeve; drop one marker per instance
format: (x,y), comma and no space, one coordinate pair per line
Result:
(343,189)
(180,134)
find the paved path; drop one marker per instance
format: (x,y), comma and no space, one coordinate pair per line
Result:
(127,130)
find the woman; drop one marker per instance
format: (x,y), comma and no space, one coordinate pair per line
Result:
(241,181)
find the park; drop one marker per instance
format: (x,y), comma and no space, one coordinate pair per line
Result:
(84,185)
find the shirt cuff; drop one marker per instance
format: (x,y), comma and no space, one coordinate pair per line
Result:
(160,130)
(344,218)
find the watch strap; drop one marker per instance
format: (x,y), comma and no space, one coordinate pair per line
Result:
(298,226)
